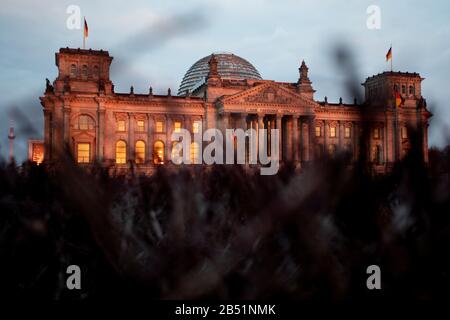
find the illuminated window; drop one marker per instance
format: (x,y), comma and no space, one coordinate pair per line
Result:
(318,131)
(404,133)
(177,126)
(139,152)
(120,125)
(158,152)
(196,126)
(332,132)
(347,132)
(159,126)
(140,125)
(121,152)
(73,70)
(85,122)
(83,152)
(195,153)
(376,133)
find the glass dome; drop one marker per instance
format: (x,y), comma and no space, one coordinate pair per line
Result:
(229,66)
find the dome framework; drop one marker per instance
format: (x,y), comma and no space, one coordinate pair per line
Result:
(230,66)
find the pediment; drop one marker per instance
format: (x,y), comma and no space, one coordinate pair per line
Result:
(268,93)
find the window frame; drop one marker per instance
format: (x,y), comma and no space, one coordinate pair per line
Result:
(378,133)
(82,161)
(138,159)
(118,126)
(124,152)
(333,133)
(349,131)
(157,123)
(138,127)
(318,133)
(158,158)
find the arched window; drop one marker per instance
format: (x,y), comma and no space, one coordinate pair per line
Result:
(195,153)
(158,152)
(121,152)
(403,89)
(84,71)
(85,122)
(73,70)
(139,156)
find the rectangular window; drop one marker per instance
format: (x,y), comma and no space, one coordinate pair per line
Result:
(347,132)
(83,152)
(376,133)
(120,125)
(177,126)
(332,132)
(196,126)
(404,133)
(159,126)
(318,131)
(140,125)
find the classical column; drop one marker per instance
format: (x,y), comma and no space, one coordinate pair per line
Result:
(168,155)
(150,139)
(356,136)
(225,121)
(66,125)
(326,134)
(295,138)
(100,134)
(279,117)
(57,130)
(288,139)
(259,126)
(131,121)
(312,138)
(341,135)
(47,135)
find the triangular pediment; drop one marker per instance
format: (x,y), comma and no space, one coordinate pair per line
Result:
(268,93)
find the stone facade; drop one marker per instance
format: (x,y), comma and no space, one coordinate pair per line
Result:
(83,113)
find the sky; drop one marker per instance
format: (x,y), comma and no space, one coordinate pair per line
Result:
(155,42)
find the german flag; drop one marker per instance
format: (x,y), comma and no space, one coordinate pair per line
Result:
(399,100)
(389,54)
(86,29)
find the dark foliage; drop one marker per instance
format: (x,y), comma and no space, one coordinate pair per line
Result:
(221,232)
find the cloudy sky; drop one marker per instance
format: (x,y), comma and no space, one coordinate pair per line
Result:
(155,42)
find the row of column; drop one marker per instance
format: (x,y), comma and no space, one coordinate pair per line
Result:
(295,136)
